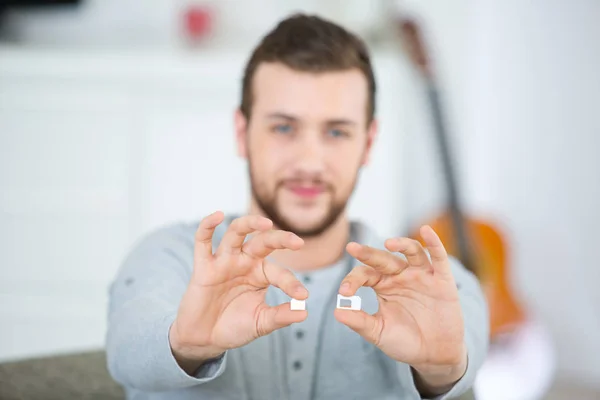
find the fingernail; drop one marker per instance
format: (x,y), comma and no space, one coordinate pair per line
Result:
(300,289)
(345,286)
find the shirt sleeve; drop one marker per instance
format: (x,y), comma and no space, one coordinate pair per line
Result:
(476,318)
(143,303)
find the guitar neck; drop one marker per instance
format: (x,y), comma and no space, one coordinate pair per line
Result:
(441,135)
(415,46)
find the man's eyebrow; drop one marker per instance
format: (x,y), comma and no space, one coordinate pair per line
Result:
(340,121)
(289,117)
(280,115)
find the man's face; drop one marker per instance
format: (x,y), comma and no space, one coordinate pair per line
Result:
(305,142)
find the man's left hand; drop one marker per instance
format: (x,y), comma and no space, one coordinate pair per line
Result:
(419,321)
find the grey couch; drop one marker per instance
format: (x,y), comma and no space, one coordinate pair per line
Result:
(74,376)
(81,376)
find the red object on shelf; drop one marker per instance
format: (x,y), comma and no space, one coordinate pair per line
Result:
(198,21)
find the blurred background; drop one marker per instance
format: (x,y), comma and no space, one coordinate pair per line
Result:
(116,117)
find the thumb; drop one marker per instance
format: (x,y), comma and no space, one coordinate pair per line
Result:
(270,319)
(366,325)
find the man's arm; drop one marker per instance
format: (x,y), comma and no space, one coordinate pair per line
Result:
(437,381)
(143,303)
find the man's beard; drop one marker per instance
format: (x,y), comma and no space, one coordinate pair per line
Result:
(268,204)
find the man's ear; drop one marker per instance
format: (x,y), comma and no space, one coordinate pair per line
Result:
(241,132)
(372,131)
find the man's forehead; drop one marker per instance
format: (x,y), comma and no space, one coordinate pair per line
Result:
(331,95)
(271,71)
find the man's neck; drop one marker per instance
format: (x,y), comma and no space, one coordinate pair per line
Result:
(319,251)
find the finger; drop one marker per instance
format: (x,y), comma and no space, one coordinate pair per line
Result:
(273,318)
(412,249)
(204,235)
(359,276)
(366,325)
(437,251)
(285,280)
(381,260)
(264,243)
(233,239)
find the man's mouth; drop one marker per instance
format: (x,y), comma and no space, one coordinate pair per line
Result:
(306,191)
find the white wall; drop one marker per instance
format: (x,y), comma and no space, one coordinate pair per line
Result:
(98,148)
(521,91)
(531,134)
(159,23)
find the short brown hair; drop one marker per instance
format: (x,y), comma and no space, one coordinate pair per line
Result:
(310,44)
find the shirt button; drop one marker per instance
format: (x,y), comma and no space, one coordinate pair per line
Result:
(307,279)
(299,334)
(297,365)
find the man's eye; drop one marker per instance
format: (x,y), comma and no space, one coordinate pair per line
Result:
(282,128)
(337,133)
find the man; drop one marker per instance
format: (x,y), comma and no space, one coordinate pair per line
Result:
(202,311)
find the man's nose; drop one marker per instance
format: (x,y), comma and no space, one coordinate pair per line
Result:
(310,156)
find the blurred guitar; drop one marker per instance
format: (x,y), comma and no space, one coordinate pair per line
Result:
(476,243)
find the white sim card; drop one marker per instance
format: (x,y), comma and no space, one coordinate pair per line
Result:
(296,305)
(348,303)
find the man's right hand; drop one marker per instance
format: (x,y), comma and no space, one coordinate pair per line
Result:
(224,305)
